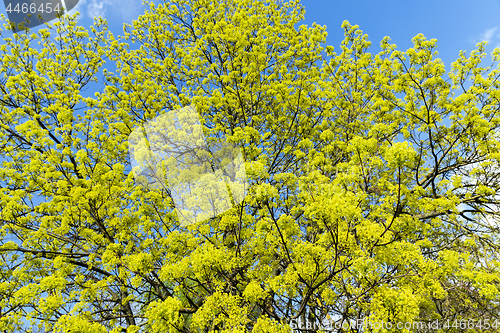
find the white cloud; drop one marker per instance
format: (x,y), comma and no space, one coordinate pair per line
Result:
(97,7)
(126,10)
(489,35)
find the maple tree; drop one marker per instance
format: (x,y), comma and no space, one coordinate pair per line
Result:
(372,177)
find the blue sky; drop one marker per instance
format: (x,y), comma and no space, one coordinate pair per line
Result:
(456,24)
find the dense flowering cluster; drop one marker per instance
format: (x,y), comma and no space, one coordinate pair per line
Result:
(372,178)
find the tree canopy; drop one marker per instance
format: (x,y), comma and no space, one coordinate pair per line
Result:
(372,178)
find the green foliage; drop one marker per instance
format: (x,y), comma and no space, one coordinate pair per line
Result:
(372,178)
